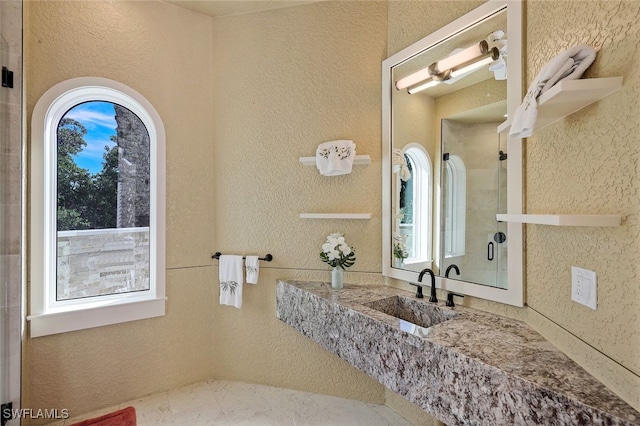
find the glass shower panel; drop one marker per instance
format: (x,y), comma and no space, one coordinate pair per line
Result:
(5,303)
(10,209)
(470,157)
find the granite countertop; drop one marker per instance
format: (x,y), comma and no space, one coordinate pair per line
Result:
(474,368)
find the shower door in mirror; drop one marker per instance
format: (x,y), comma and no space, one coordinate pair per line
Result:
(474,182)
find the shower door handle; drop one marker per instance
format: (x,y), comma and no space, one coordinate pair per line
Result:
(490,253)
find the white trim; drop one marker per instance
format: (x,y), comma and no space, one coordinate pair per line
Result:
(358,160)
(458,188)
(79,232)
(562,219)
(362,216)
(567,97)
(47,315)
(97,316)
(422,177)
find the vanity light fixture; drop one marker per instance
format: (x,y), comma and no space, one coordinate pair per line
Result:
(430,82)
(456,65)
(492,55)
(413,79)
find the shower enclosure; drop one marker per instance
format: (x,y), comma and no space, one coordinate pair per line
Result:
(11,306)
(474,183)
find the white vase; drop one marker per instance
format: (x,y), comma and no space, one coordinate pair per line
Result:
(399,262)
(337,278)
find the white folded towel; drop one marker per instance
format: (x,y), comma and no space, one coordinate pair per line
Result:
(569,65)
(252,268)
(231,281)
(335,158)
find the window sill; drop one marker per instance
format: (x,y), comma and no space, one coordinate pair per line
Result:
(63,321)
(427,262)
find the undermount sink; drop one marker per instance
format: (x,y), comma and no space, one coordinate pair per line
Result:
(415,316)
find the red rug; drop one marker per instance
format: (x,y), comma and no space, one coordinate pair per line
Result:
(124,417)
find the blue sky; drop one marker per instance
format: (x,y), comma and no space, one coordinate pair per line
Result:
(99,120)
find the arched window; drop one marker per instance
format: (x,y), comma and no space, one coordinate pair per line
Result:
(97,207)
(415,205)
(454,206)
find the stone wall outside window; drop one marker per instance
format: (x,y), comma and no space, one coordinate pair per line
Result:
(101,262)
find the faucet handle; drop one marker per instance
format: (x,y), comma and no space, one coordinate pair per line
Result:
(419,294)
(450,299)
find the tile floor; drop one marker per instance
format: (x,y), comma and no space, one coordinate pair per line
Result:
(219,402)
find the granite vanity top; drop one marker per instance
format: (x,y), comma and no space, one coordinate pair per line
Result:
(475,368)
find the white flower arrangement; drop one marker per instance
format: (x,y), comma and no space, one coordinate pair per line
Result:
(336,252)
(400,246)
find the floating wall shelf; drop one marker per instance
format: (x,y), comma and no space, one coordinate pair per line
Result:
(362,216)
(358,160)
(562,219)
(567,97)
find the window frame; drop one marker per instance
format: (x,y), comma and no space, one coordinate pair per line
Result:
(456,227)
(423,214)
(47,315)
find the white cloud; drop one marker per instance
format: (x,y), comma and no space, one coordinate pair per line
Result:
(91,118)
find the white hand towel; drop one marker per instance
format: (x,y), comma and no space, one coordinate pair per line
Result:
(252,267)
(569,65)
(335,158)
(230,275)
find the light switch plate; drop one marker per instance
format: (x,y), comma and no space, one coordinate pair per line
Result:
(584,287)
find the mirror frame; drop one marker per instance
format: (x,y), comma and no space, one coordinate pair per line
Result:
(514,294)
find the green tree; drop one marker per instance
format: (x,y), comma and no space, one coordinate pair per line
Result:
(70,219)
(104,202)
(85,201)
(74,183)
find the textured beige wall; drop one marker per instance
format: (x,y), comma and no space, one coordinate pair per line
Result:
(588,164)
(411,20)
(252,345)
(282,83)
(285,81)
(164,53)
(90,369)
(409,124)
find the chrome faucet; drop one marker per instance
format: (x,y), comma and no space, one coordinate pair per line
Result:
(433,297)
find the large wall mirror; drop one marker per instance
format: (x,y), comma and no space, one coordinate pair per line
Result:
(447,171)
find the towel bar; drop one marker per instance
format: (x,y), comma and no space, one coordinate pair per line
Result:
(267,258)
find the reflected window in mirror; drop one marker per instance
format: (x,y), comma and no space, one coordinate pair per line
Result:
(454,184)
(413,227)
